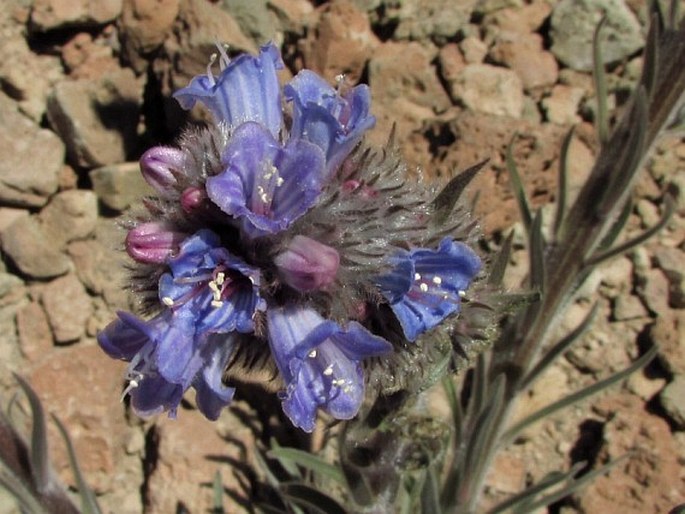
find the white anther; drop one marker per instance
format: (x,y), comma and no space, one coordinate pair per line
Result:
(328,371)
(279,181)
(216,303)
(417,276)
(462,293)
(220,278)
(424,287)
(312,354)
(168,301)
(437,280)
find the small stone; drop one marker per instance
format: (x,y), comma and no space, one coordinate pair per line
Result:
(9,215)
(618,274)
(489,89)
(451,61)
(70,215)
(668,333)
(53,14)
(523,19)
(648,212)
(120,185)
(673,400)
(18,75)
(627,306)
(32,251)
(644,387)
(473,49)
(68,308)
(653,288)
(671,262)
(256,20)
(97,119)
(524,54)
(342,42)
(562,105)
(424,19)
(573,26)
(35,336)
(32,159)
(145,25)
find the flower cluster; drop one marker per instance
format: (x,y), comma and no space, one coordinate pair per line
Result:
(274,243)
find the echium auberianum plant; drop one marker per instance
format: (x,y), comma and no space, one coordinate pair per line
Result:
(279,250)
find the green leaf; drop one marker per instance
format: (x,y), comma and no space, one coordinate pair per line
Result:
(445,201)
(218,494)
(89,504)
(289,466)
(562,192)
(310,498)
(517,186)
(294,456)
(430,493)
(40,462)
(571,487)
(526,497)
(578,396)
(455,407)
(669,209)
(600,84)
(559,348)
(537,255)
(499,266)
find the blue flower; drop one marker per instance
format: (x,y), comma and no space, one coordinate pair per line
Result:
(334,122)
(208,295)
(247,89)
(425,286)
(320,363)
(132,339)
(265,185)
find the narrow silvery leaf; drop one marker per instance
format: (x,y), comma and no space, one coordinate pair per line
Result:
(290,456)
(499,265)
(313,499)
(450,194)
(563,182)
(40,463)
(537,255)
(218,494)
(600,84)
(517,187)
(578,396)
(89,504)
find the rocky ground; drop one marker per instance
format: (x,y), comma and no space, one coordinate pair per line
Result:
(85,88)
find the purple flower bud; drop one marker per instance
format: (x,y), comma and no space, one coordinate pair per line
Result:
(307,264)
(160,165)
(153,242)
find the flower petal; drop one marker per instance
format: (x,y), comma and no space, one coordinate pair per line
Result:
(246,90)
(320,363)
(212,395)
(264,185)
(438,280)
(334,122)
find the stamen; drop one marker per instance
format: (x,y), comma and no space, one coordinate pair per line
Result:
(168,301)
(216,303)
(224,60)
(423,287)
(417,276)
(328,371)
(437,280)
(312,354)
(462,293)
(210,76)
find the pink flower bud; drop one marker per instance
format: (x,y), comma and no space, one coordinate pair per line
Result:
(308,265)
(160,165)
(192,198)
(153,242)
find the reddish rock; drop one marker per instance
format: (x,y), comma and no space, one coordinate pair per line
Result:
(35,336)
(86,58)
(562,105)
(81,385)
(668,333)
(145,24)
(405,89)
(650,479)
(523,20)
(68,307)
(340,43)
(185,445)
(451,61)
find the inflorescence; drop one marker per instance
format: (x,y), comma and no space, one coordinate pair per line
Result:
(277,250)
